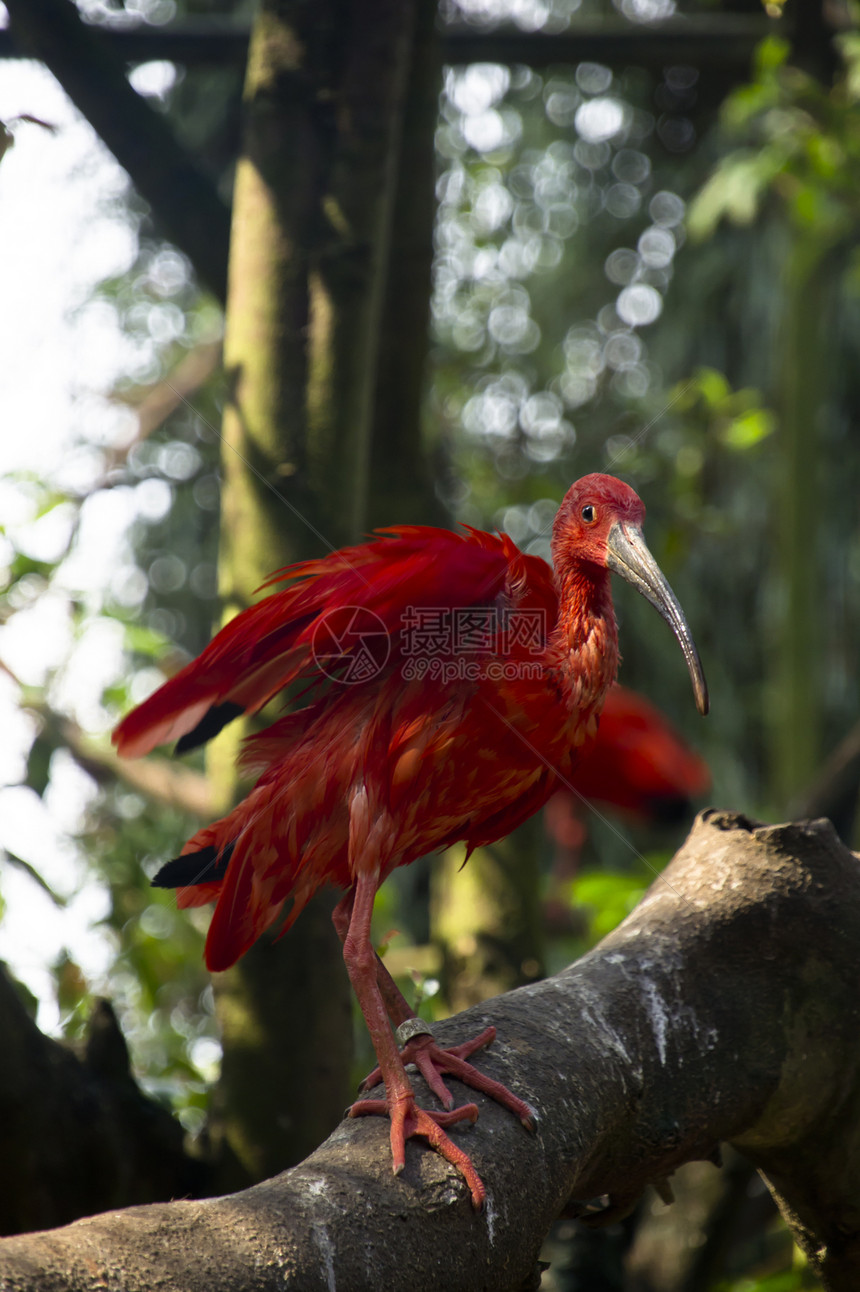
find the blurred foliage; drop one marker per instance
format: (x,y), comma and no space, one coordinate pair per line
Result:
(148,454)
(531,237)
(538,305)
(557,311)
(801,146)
(157,981)
(794,1280)
(607,897)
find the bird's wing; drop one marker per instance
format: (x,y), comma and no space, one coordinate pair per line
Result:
(347,616)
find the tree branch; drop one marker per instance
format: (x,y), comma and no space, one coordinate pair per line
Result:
(156,402)
(723,38)
(76,1133)
(160,779)
(835,789)
(184,200)
(693,1022)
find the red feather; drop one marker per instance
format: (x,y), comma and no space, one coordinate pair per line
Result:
(266,647)
(636,761)
(449,679)
(291,832)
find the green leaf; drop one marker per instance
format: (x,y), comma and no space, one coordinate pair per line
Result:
(610,896)
(24,565)
(39,764)
(72,987)
(825,155)
(735,190)
(749,429)
(712,386)
(786,1281)
(746,103)
(144,641)
(770,55)
(30,870)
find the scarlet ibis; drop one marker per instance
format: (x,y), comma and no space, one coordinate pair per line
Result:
(450,678)
(637,765)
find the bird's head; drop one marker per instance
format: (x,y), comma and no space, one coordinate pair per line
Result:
(599,523)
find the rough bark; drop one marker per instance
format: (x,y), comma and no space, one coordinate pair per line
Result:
(724,1008)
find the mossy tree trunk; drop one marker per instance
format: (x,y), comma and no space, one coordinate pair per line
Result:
(488,917)
(315,292)
(795,703)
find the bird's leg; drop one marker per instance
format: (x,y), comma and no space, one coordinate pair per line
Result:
(398,1007)
(407,1119)
(431,1059)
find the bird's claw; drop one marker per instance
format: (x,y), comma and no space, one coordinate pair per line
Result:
(431,1060)
(408,1120)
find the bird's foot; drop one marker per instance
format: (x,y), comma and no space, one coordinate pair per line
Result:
(432,1060)
(408,1120)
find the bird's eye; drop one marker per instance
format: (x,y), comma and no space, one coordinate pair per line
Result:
(588,515)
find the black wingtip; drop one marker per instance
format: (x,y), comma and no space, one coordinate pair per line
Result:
(204,867)
(213,721)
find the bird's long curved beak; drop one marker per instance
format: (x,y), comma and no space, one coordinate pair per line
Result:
(628,555)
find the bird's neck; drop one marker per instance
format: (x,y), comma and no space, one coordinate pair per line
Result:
(585,640)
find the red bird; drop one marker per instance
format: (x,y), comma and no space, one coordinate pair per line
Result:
(450,679)
(637,763)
